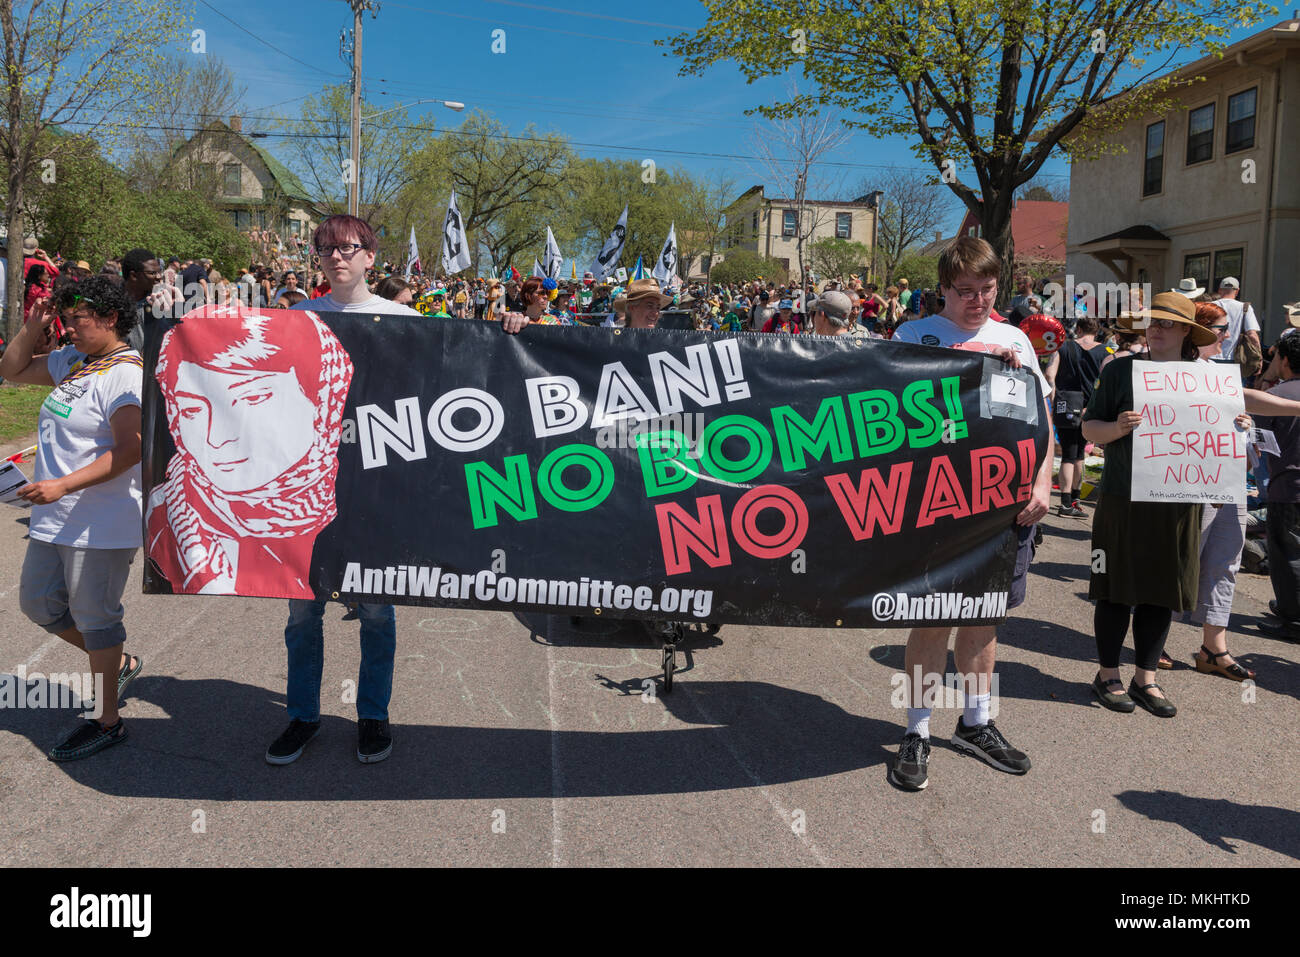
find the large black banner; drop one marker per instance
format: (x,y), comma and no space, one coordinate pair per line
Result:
(766,479)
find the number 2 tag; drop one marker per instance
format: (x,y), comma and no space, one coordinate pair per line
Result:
(1008,389)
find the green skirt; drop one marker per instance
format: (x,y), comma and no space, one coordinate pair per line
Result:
(1146,553)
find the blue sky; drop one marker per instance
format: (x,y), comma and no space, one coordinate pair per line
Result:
(586,68)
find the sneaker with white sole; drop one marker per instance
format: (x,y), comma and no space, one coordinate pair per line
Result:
(374,740)
(288,747)
(987,742)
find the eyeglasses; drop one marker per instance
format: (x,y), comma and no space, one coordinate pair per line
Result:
(346,249)
(970,295)
(1222,328)
(1164,323)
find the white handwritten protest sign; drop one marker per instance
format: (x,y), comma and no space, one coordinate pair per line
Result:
(1187,447)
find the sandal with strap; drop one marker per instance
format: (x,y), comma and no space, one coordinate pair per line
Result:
(1209,665)
(1165,663)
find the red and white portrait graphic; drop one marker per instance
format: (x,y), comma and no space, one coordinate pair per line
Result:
(254,403)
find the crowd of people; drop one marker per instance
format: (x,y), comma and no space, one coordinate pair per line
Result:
(90,337)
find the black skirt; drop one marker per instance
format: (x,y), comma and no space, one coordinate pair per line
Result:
(1146,553)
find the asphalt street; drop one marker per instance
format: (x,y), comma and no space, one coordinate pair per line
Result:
(528,741)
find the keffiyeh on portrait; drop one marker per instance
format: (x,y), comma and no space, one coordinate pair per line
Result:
(254,403)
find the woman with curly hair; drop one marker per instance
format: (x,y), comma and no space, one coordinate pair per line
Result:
(85,522)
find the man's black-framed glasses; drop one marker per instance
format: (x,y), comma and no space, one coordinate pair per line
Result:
(346,249)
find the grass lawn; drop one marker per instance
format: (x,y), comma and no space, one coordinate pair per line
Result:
(19,406)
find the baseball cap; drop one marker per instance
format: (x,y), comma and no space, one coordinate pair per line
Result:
(1230,282)
(835,304)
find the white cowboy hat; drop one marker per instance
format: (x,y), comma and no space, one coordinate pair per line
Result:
(1188,288)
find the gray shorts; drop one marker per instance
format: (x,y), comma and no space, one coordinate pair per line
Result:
(64,586)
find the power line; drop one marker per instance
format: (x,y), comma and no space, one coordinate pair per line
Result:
(606,146)
(561,11)
(522,26)
(266,43)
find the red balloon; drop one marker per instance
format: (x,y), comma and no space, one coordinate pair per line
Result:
(1046,334)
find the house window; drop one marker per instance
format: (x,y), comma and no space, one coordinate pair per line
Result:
(1241,122)
(243,220)
(1153,169)
(1200,134)
(1227,262)
(261,219)
(755,227)
(206,175)
(295,227)
(230,179)
(788,223)
(1197,267)
(843,225)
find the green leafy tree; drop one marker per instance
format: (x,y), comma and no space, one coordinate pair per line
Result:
(986,90)
(321,152)
(78,64)
(743,265)
(921,272)
(834,258)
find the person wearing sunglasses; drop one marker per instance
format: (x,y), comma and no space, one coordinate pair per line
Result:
(86,496)
(1151,550)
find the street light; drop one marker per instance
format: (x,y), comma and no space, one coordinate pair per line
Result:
(354,181)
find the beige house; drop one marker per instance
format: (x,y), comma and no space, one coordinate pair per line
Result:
(245,182)
(770,226)
(1208,190)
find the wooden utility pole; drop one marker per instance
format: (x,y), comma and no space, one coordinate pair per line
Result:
(354,172)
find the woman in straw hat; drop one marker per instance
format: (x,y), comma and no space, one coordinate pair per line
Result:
(641,303)
(1149,551)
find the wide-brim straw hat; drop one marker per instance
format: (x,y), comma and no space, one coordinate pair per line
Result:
(639,289)
(1169,305)
(1188,288)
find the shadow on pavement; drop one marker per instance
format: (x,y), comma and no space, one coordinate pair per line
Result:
(1214,820)
(212,747)
(606,632)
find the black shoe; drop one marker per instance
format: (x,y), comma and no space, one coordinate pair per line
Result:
(986,741)
(1071,511)
(1272,610)
(1038,535)
(1160,707)
(86,740)
(287,748)
(909,770)
(1115,700)
(124,678)
(374,741)
(353,611)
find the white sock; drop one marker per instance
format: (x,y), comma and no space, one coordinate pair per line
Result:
(918,721)
(976,711)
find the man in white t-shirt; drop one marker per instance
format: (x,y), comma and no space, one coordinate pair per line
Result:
(1241,317)
(968,280)
(346,247)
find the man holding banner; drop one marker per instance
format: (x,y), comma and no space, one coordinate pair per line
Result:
(968,271)
(346,246)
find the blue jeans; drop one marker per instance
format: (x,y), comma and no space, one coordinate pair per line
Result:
(304,636)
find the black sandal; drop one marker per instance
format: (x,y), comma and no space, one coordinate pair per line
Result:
(1209,666)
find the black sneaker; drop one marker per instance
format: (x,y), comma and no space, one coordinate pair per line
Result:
(287,748)
(86,740)
(374,741)
(986,741)
(909,770)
